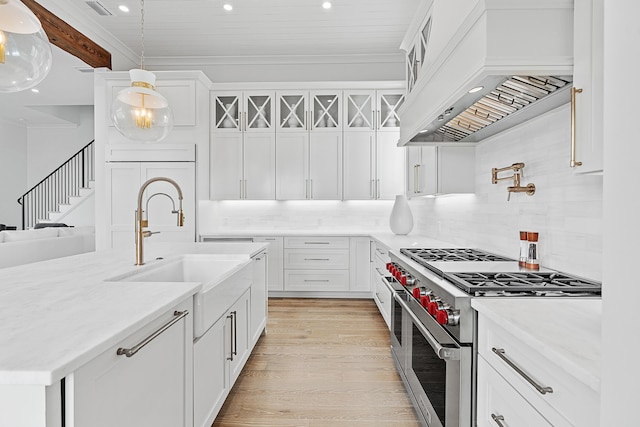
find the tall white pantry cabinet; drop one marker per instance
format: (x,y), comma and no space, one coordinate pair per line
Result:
(122,165)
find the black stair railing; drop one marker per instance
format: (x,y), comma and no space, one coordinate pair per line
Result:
(54,190)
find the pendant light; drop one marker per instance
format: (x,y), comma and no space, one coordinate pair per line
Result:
(25,52)
(139,112)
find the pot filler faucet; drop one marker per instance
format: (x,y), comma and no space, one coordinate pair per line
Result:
(141,223)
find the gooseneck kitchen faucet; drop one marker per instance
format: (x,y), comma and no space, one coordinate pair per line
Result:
(141,223)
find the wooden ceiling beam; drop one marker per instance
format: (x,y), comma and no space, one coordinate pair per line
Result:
(69,39)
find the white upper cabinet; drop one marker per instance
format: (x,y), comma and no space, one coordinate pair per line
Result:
(319,111)
(416,56)
(373,164)
(588,48)
(440,170)
(309,145)
(242,146)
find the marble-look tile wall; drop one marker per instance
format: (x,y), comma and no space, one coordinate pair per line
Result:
(566,209)
(360,215)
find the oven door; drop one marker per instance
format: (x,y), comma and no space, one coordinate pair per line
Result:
(438,369)
(398,336)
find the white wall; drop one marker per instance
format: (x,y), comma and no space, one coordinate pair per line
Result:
(13,171)
(566,209)
(49,147)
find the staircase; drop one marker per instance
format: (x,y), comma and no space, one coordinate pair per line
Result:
(62,192)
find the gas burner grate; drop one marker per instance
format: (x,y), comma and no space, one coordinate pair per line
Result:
(528,283)
(423,256)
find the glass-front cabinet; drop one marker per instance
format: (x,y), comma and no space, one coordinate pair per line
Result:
(309,111)
(416,56)
(373,164)
(309,145)
(243,112)
(242,151)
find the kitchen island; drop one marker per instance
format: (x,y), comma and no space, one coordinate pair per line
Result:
(57,316)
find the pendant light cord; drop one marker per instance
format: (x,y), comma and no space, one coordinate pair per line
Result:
(142,34)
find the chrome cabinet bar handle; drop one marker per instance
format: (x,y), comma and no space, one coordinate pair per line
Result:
(371,188)
(316,243)
(241,195)
(245,189)
(235,332)
(377,188)
(498,419)
(230,316)
(573,162)
(133,350)
(501,354)
(316,280)
(317,259)
(311,187)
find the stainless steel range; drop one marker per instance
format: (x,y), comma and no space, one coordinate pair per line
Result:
(433,327)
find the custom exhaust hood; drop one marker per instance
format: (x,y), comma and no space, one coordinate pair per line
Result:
(501,64)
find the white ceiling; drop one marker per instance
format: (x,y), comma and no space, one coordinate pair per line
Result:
(203,29)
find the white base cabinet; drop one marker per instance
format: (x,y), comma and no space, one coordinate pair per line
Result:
(504,392)
(219,356)
(152,387)
(275,263)
(259,302)
(316,264)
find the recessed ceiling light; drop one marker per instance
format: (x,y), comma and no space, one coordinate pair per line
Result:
(35,90)
(227,7)
(123,8)
(326,5)
(424,130)
(476,89)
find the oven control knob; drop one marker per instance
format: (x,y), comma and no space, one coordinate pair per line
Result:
(407,280)
(434,305)
(389,266)
(418,292)
(424,301)
(448,317)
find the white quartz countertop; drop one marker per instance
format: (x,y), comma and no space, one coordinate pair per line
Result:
(57,315)
(566,331)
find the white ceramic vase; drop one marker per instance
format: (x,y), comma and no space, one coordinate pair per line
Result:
(401,219)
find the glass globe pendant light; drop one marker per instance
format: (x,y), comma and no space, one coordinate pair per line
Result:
(25,52)
(139,112)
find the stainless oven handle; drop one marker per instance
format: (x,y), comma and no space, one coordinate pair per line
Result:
(501,354)
(444,353)
(387,284)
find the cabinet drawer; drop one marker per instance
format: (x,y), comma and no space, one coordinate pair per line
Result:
(496,398)
(570,403)
(316,280)
(316,242)
(330,259)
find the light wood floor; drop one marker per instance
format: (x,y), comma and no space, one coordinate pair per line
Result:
(322,363)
